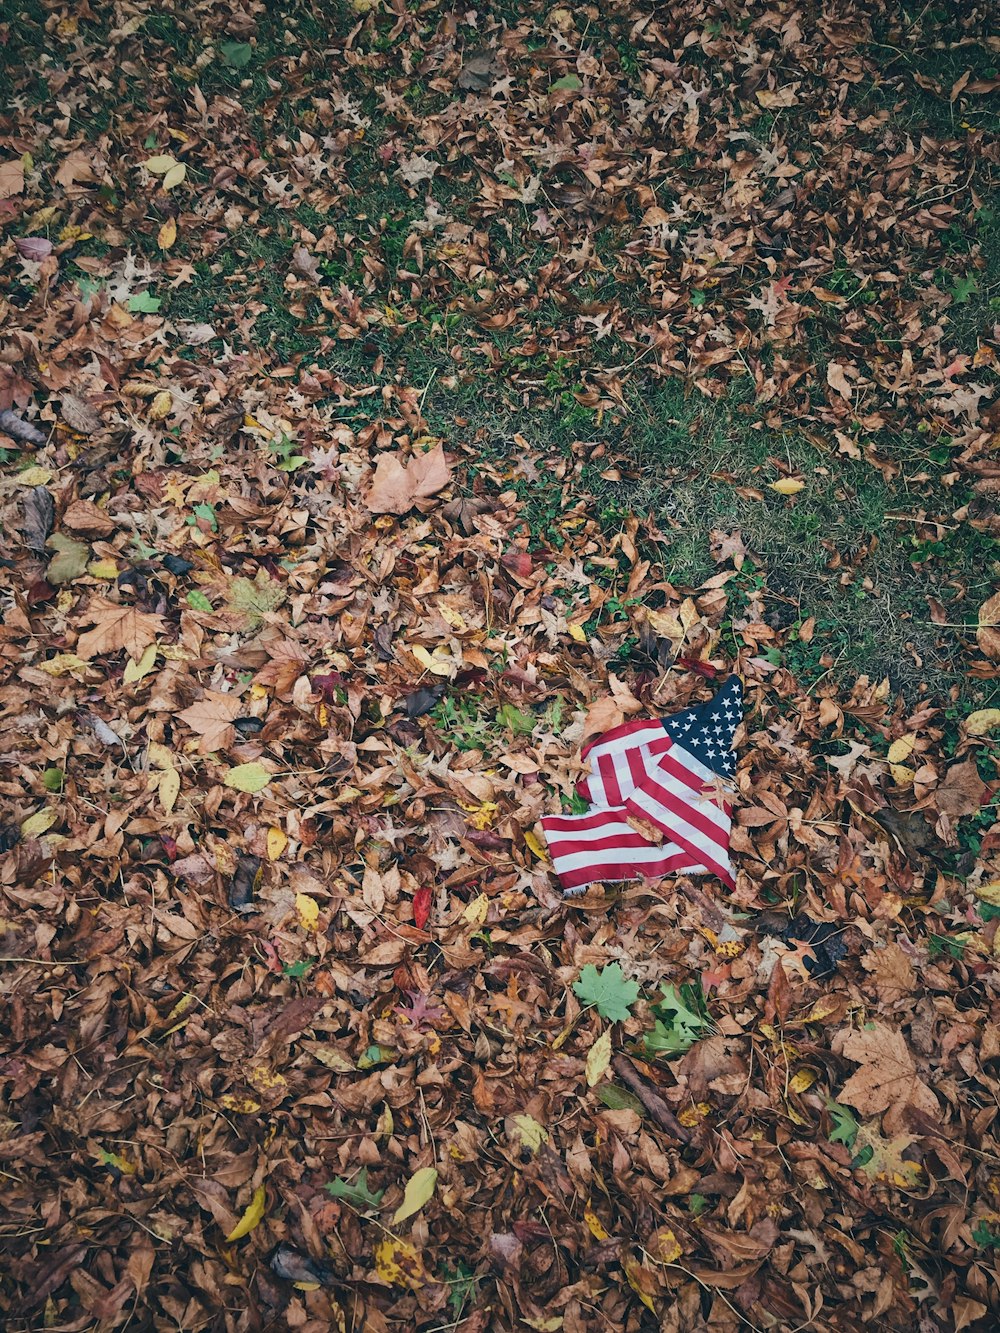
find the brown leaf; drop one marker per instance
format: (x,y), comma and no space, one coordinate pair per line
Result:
(887,1080)
(117,627)
(395,488)
(836,379)
(79,415)
(961,791)
(988,633)
(212,718)
(86,517)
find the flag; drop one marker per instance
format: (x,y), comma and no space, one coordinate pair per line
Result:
(665,776)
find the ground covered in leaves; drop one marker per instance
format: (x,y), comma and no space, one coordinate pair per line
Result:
(393,397)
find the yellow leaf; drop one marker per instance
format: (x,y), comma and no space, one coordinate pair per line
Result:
(902,775)
(484,815)
(252,1217)
(902,749)
(534,846)
(248,777)
(544,1324)
(639,1279)
(277,841)
(663,1246)
(161,406)
(786,486)
(34,476)
(419,1188)
(990,893)
(39,822)
(160,164)
(578,634)
(174,176)
(433,664)
(598,1058)
(530,1132)
(72,232)
(62,664)
(597,1229)
(804,1079)
(136,670)
(451,617)
(986,720)
(170,787)
(167,234)
(308,911)
(264,1079)
(241,1105)
(399,1264)
(476,911)
(102,569)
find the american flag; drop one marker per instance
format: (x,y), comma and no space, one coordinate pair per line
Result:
(665,775)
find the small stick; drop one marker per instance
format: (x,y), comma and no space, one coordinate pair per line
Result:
(650,1099)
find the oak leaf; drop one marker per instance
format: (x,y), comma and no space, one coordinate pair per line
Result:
(117,627)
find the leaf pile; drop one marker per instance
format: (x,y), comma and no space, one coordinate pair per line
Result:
(297,1029)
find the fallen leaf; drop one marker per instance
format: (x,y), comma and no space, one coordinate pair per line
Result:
(69,561)
(212,719)
(419,1190)
(252,1217)
(396,488)
(250,778)
(117,627)
(399,1263)
(887,1080)
(982,722)
(599,1058)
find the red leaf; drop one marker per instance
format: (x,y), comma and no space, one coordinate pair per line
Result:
(701,668)
(421,907)
(518,562)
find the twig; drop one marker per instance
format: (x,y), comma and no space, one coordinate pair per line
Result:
(650,1099)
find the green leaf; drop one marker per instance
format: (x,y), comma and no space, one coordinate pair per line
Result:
(698,299)
(568,83)
(983,1237)
(53,778)
(250,778)
(619,1099)
(298,969)
(607,990)
(680,1019)
(237,54)
(69,561)
(206,512)
(198,601)
(521,724)
(845,1125)
(255,598)
(697,1203)
(144,304)
(962,289)
(355,1192)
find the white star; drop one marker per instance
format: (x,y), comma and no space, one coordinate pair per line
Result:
(710,750)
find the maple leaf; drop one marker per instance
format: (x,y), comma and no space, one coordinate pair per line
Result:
(212,718)
(607,990)
(887,1080)
(117,627)
(396,488)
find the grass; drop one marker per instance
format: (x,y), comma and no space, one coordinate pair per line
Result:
(836,552)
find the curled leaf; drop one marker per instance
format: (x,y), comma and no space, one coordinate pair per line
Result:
(252,1217)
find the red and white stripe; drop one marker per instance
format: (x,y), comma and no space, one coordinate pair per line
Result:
(638,771)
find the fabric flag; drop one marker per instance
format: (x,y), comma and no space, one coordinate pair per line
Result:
(665,776)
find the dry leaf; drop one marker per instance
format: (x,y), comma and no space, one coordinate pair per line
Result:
(887,1080)
(117,627)
(212,718)
(396,488)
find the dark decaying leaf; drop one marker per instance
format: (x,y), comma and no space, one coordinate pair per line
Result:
(383,643)
(244,883)
(24,432)
(292,1265)
(423,700)
(176,565)
(79,415)
(39,514)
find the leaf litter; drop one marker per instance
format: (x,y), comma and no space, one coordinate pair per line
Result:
(297,1029)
